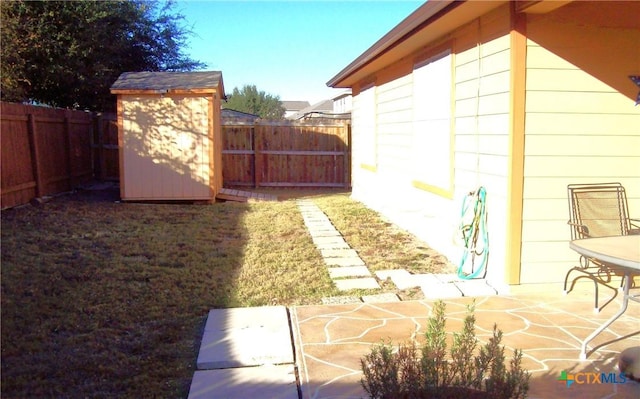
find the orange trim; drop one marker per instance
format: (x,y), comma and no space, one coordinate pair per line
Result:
(213,144)
(120,116)
(516,145)
(370,168)
(168,91)
(445,193)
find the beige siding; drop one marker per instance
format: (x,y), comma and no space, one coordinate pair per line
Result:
(166,147)
(482,78)
(481,130)
(581,126)
(395,112)
(578,130)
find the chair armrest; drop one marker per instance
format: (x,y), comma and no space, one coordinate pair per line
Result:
(636,226)
(581,229)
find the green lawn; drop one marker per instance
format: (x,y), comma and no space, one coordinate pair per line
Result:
(105,299)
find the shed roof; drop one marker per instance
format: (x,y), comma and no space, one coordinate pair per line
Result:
(168,81)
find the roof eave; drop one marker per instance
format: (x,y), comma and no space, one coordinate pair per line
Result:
(421,17)
(166,91)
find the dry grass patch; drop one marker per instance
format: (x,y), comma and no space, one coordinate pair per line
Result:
(380,244)
(103,299)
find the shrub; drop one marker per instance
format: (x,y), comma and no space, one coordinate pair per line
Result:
(465,372)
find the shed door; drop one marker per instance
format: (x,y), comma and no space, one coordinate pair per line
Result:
(167,146)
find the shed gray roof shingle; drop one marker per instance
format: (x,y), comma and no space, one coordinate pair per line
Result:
(168,80)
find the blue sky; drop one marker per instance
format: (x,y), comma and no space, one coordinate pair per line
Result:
(290,49)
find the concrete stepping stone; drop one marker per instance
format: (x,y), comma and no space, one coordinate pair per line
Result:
(381,298)
(340,300)
(335,245)
(312,218)
(328,240)
(349,271)
(325,233)
(440,290)
(403,279)
(478,287)
(357,283)
(246,382)
(339,253)
(240,337)
(344,262)
(397,273)
(447,278)
(313,230)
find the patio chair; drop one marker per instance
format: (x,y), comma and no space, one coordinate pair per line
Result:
(598,210)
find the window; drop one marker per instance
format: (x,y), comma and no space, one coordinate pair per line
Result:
(432,151)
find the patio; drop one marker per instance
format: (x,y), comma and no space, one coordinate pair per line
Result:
(548,326)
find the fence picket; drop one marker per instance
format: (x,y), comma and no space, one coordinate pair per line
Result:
(286,155)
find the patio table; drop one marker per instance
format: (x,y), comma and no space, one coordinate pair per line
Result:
(621,252)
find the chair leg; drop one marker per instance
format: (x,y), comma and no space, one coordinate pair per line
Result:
(596,301)
(566,280)
(596,310)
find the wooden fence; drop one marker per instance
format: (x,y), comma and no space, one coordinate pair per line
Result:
(47,151)
(106,155)
(284,154)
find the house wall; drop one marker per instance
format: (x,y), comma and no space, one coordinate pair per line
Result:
(166,147)
(342,104)
(579,125)
(480,57)
(581,122)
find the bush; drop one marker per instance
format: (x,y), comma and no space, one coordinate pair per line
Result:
(408,373)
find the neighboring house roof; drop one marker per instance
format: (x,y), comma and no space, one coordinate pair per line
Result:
(323,108)
(345,93)
(168,81)
(233,114)
(295,105)
(430,21)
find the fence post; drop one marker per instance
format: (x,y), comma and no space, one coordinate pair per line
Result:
(252,157)
(67,136)
(347,154)
(99,159)
(255,143)
(35,153)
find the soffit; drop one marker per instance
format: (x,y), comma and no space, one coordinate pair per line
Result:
(412,34)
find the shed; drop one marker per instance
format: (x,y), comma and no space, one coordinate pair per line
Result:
(169,135)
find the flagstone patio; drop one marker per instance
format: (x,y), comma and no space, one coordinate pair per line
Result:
(330,340)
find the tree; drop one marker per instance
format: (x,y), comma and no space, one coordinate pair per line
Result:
(250,100)
(68,53)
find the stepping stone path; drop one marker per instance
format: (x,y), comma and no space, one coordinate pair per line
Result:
(437,286)
(246,353)
(345,267)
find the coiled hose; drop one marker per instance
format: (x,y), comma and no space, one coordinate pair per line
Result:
(473,227)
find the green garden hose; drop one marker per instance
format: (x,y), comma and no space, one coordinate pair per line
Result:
(473,227)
